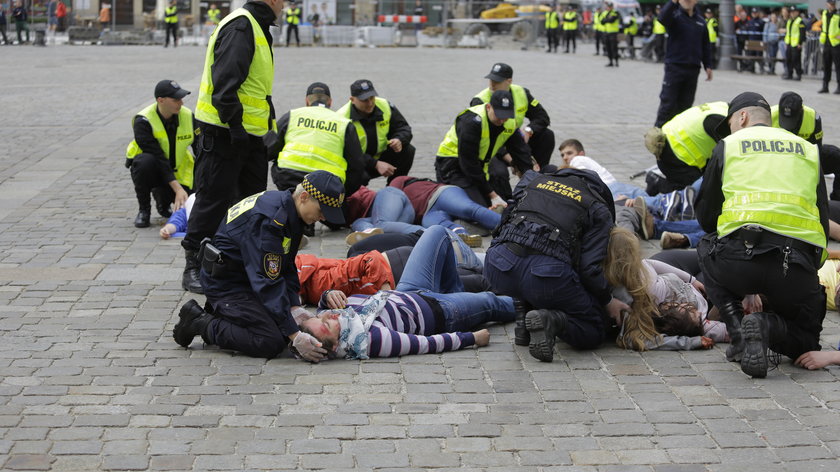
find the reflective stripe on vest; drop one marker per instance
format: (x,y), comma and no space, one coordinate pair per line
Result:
(184,161)
(449,146)
(658,27)
(315,141)
(769,179)
(711,25)
(806,128)
(832,30)
(687,137)
(792,32)
(293,16)
(613,27)
(571,22)
(382,127)
(520,101)
(552,20)
(254,91)
(173,11)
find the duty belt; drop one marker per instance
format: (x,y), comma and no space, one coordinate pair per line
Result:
(214,262)
(522,251)
(755,236)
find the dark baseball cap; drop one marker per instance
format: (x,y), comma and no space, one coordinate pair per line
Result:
(328,190)
(318,87)
(832,2)
(171,89)
(744,100)
(790,111)
(500,72)
(362,89)
(502,103)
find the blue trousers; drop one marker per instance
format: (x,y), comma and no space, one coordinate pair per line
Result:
(391,211)
(452,203)
(243,324)
(547,282)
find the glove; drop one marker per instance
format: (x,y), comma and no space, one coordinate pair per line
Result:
(239,139)
(308,347)
(272,145)
(128,163)
(497,200)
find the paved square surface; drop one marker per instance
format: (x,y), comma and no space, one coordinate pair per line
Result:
(90,378)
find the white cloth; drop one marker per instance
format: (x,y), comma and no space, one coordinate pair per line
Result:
(583,162)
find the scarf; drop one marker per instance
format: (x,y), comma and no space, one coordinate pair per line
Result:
(353,337)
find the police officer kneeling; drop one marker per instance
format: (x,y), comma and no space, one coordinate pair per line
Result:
(549,251)
(764,202)
(249,274)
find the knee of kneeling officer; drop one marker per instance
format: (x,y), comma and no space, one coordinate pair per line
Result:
(268,347)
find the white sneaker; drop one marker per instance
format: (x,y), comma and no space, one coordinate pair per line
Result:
(357,236)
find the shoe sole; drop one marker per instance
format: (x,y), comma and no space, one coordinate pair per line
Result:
(754,362)
(538,347)
(472,240)
(184,320)
(357,236)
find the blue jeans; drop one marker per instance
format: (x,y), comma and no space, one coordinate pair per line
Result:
(452,203)
(690,228)
(433,273)
(391,211)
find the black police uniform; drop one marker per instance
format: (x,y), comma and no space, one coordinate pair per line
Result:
(226,173)
(611,39)
(250,295)
(550,247)
(151,171)
(399,129)
(540,145)
(687,48)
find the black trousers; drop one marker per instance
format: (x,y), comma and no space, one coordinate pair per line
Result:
(599,36)
(830,164)
(448,171)
(402,160)
(611,46)
(794,294)
(831,57)
(224,175)
(243,324)
(151,176)
(570,37)
(552,35)
(676,171)
(289,29)
(793,61)
(172,28)
(678,89)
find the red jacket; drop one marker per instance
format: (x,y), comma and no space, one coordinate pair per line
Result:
(363,274)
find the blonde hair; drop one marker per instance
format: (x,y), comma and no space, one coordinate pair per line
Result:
(623,267)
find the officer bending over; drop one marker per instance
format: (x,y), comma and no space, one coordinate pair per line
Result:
(249,274)
(549,252)
(158,157)
(384,134)
(764,202)
(463,158)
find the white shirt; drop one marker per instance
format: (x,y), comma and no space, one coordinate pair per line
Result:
(583,162)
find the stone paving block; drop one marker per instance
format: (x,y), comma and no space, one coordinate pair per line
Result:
(326,461)
(379,461)
(125,462)
(171,462)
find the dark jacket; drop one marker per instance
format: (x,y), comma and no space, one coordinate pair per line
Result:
(398,129)
(538,118)
(688,37)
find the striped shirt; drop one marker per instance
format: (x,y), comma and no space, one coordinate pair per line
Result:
(408,325)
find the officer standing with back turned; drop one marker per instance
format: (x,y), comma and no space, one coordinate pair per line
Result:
(763,203)
(234,111)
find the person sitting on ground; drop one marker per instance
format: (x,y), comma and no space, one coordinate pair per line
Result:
(652,286)
(176,225)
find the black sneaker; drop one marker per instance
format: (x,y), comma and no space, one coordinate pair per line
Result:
(754,361)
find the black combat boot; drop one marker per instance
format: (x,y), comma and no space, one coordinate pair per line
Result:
(192,322)
(760,330)
(731,314)
(190,281)
(142,219)
(544,326)
(521,336)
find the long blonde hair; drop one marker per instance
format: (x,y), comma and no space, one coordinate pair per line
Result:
(623,267)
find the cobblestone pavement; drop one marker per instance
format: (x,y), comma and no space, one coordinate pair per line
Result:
(90,378)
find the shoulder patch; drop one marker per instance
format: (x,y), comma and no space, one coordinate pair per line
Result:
(271,265)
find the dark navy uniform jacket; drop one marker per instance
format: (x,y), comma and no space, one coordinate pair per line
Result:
(259,238)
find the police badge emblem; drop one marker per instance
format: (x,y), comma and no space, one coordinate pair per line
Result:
(271,265)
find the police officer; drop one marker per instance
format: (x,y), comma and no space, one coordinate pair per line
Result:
(611,24)
(712,28)
(548,252)
(794,37)
(537,134)
(552,23)
(158,157)
(234,111)
(293,15)
(830,39)
(658,36)
(214,15)
(630,32)
(463,158)
(314,138)
(171,19)
(684,144)
(384,134)
(570,28)
(687,49)
(597,15)
(249,273)
(763,201)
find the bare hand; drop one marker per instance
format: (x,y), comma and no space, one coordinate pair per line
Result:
(507,158)
(482,337)
(817,359)
(708,75)
(385,169)
(699,286)
(395,144)
(336,299)
(180,199)
(706,343)
(752,304)
(167,231)
(614,309)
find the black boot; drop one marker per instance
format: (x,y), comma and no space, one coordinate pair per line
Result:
(192,322)
(731,314)
(521,336)
(824,89)
(760,330)
(544,326)
(190,281)
(142,219)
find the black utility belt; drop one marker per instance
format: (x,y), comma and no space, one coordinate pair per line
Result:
(522,251)
(760,237)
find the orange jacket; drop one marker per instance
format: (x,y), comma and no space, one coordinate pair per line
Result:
(363,274)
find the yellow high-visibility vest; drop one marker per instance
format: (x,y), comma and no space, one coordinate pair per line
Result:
(184,136)
(382,127)
(449,146)
(314,141)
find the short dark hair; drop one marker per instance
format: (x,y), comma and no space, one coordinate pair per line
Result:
(574,143)
(327,344)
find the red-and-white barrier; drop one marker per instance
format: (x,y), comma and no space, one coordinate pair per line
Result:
(401,19)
